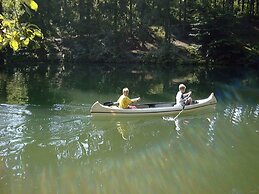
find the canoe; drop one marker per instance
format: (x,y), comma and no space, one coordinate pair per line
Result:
(159,108)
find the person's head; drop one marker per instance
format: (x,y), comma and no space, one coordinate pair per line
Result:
(125,91)
(182,87)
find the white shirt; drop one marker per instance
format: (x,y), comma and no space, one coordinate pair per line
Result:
(179,98)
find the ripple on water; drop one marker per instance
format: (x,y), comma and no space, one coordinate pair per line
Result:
(59,126)
(14,109)
(256,112)
(12,125)
(237,115)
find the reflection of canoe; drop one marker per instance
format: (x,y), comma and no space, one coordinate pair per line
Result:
(161,108)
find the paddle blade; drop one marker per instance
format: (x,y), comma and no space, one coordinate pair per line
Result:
(108,103)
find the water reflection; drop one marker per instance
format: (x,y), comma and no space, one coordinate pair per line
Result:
(123,129)
(211,130)
(183,123)
(16,89)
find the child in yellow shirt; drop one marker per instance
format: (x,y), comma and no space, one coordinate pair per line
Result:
(124,101)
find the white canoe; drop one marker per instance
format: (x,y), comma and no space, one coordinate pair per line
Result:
(161,108)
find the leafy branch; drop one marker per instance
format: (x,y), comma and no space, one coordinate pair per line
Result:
(14,33)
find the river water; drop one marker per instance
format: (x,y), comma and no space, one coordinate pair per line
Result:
(49,142)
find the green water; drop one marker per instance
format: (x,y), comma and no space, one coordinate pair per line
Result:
(49,143)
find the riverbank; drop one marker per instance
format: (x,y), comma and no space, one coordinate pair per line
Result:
(232,43)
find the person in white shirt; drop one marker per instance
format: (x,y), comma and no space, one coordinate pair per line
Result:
(183,98)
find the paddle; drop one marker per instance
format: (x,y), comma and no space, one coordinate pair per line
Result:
(186,97)
(179,113)
(110,103)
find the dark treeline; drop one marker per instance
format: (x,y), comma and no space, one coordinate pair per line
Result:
(159,31)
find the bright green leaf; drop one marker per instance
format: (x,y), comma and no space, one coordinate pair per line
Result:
(8,35)
(26,41)
(31,36)
(34,5)
(14,45)
(15,33)
(6,23)
(38,33)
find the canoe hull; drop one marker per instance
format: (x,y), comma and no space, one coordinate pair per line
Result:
(159,109)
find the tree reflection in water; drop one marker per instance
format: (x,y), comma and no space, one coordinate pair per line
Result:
(16,89)
(122,129)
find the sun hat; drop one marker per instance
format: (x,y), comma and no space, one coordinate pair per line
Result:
(182,86)
(125,90)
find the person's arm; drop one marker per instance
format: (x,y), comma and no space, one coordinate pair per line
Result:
(135,99)
(186,95)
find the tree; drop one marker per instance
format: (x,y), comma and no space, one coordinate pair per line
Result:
(13,31)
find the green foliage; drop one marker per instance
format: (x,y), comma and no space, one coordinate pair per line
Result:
(168,56)
(111,30)
(13,32)
(221,39)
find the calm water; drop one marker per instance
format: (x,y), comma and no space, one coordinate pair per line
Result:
(49,143)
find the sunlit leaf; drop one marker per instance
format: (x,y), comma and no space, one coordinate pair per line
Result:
(26,42)
(31,36)
(12,31)
(32,4)
(15,33)
(29,31)
(8,36)
(6,23)
(38,33)
(14,45)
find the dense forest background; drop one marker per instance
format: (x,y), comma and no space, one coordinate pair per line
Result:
(161,32)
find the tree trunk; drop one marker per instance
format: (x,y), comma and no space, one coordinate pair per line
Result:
(251,9)
(167,26)
(180,10)
(1,51)
(1,7)
(231,5)
(185,11)
(81,5)
(257,7)
(243,6)
(130,16)
(89,8)
(1,59)
(115,15)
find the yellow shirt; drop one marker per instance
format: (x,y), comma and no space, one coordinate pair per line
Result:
(124,101)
